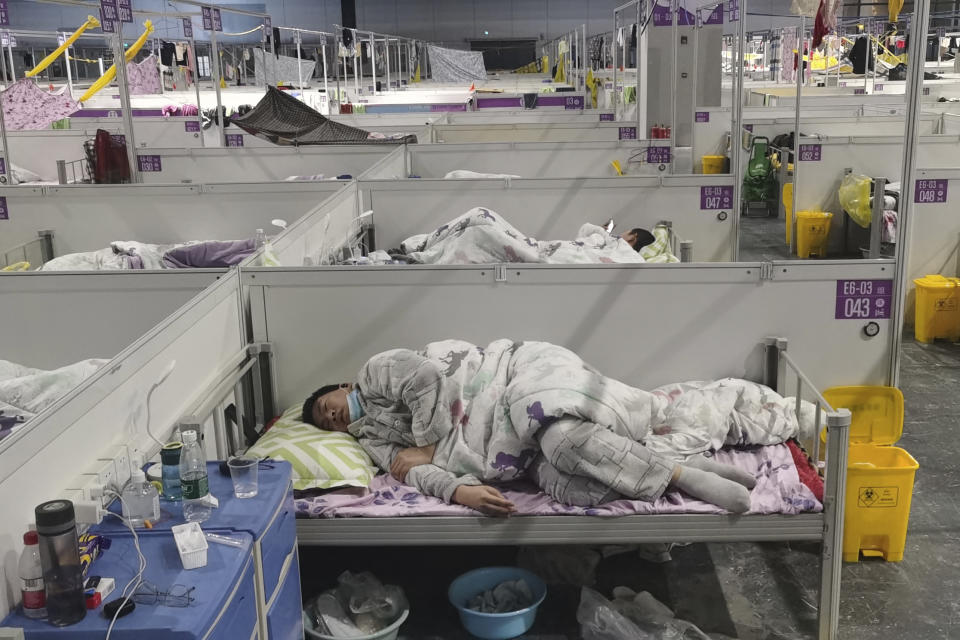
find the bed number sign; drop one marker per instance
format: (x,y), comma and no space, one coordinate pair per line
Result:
(187,28)
(191,126)
(211,19)
(930,191)
(4,212)
(607,117)
(4,14)
(864,299)
(628,133)
(810,152)
(658,155)
(124,11)
(702,116)
(716,197)
(234,139)
(149,163)
(574,102)
(108,15)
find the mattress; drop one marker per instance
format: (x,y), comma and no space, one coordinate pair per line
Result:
(781,488)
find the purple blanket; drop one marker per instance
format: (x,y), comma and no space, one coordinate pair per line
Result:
(778,490)
(27,106)
(144,77)
(212,254)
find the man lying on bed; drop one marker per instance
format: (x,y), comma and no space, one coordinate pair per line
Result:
(482,236)
(454,416)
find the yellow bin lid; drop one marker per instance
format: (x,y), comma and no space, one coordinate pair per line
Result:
(877,412)
(814,214)
(937,281)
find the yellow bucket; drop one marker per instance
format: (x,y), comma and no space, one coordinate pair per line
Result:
(813,231)
(879,476)
(788,208)
(713,164)
(938,308)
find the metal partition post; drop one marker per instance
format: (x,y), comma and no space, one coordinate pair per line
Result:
(120,64)
(299,37)
(736,145)
(801,35)
(834,498)
(7,165)
(66,60)
(386,59)
(323,54)
(615,47)
(215,76)
(674,58)
(373,61)
(918,39)
(774,368)
(642,41)
(195,72)
(876,225)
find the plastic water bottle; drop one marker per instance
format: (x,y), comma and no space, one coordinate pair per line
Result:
(260,238)
(194,486)
(32,592)
(141,502)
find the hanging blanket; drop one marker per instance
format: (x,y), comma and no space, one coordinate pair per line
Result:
(144,77)
(456,65)
(281,69)
(25,392)
(27,106)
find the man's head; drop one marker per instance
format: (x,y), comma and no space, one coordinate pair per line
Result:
(327,407)
(638,238)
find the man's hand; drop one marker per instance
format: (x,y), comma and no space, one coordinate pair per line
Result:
(484,499)
(407,459)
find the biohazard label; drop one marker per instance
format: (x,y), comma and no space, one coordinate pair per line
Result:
(878,497)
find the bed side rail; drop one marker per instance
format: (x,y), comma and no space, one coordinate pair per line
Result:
(237,405)
(34,252)
(835,476)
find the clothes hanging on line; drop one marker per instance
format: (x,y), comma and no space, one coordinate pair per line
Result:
(168,52)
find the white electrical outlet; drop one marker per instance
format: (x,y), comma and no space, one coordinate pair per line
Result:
(121,464)
(99,479)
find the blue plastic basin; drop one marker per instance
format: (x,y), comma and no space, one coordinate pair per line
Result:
(495,626)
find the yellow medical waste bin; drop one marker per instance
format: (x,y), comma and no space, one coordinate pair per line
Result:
(787,197)
(879,475)
(938,308)
(813,231)
(713,164)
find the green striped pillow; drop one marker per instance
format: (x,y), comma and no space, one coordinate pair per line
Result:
(320,459)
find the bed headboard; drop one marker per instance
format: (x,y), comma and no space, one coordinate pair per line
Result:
(646,325)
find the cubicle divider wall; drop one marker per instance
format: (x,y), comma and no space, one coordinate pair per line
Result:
(90,217)
(699,207)
(536,132)
(257,164)
(201,343)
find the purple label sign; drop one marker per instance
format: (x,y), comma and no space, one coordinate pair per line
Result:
(685,18)
(234,139)
(217,20)
(716,197)
(4,14)
(267,23)
(119,138)
(658,155)
(4,211)
(716,16)
(864,299)
(661,16)
(108,15)
(859,91)
(149,163)
(810,152)
(207,17)
(606,117)
(748,127)
(187,28)
(574,102)
(628,133)
(734,10)
(926,91)
(124,11)
(878,87)
(702,116)
(191,126)
(930,191)
(3,165)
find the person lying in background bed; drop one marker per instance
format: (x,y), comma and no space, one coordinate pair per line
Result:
(454,417)
(482,236)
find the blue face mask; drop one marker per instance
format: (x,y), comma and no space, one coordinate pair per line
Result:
(353,402)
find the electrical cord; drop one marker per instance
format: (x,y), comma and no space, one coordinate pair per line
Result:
(137,579)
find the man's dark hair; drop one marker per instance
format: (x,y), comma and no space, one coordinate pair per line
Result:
(644,238)
(307,415)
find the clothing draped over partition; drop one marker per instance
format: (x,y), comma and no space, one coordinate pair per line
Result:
(280,68)
(454,65)
(144,77)
(27,106)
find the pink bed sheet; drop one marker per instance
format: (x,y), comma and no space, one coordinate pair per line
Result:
(779,490)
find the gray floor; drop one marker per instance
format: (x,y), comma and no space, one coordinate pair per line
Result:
(749,591)
(764,240)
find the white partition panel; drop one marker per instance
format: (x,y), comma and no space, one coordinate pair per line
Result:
(330,226)
(951,123)
(42,460)
(878,156)
(89,217)
(392,167)
(52,319)
(646,325)
(530,132)
(935,230)
(149,131)
(554,209)
(257,164)
(531,159)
